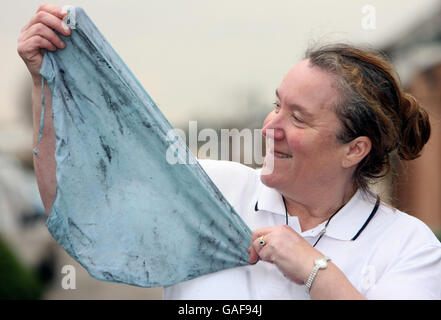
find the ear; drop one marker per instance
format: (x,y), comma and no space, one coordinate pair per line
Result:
(356,150)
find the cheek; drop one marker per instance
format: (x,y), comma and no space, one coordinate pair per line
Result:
(305,142)
(328,141)
(299,142)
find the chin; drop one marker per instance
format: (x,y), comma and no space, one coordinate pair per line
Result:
(268,174)
(270,180)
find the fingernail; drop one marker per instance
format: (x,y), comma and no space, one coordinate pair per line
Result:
(63,11)
(65,27)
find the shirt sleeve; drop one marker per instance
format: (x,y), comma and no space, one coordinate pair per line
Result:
(415,276)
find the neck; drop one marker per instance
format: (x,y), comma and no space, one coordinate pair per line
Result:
(315,208)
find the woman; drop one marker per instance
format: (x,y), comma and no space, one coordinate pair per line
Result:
(318,232)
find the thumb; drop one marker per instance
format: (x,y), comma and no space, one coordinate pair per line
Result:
(254,257)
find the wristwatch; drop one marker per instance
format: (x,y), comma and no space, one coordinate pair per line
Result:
(320,263)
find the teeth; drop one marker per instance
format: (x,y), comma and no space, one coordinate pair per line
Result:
(282,155)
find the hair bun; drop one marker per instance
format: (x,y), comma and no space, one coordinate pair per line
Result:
(415,128)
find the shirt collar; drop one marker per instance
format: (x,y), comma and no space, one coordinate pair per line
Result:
(270,200)
(345,225)
(353,217)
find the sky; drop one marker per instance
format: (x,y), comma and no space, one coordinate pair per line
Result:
(204,59)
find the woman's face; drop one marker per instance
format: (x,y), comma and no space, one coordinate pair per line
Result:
(306,154)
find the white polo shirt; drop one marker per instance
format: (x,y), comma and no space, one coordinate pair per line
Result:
(385,254)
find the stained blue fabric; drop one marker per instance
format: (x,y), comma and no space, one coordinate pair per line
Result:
(121,210)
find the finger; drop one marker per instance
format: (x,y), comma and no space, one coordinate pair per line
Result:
(45,32)
(49,8)
(32,45)
(259,252)
(254,257)
(256,247)
(51,21)
(260,232)
(43,43)
(52,9)
(266,254)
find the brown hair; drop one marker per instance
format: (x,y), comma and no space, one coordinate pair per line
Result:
(373,104)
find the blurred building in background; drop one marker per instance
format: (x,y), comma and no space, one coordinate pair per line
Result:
(417,57)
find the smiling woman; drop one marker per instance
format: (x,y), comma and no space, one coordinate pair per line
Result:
(372,103)
(305,127)
(338,116)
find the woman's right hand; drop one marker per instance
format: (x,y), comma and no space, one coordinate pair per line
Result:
(39,34)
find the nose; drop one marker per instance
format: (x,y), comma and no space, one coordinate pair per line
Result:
(272,127)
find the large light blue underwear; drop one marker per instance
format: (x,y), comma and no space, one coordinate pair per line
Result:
(122,210)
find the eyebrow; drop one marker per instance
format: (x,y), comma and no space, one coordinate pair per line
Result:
(302,109)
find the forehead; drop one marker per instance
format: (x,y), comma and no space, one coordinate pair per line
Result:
(310,87)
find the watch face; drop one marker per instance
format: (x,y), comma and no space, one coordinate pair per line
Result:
(321,263)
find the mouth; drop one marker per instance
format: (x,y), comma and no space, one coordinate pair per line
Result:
(280,155)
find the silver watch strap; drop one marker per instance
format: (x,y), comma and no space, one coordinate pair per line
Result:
(311,278)
(318,264)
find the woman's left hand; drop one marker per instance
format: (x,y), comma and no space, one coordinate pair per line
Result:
(284,247)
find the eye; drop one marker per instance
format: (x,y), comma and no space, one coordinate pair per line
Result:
(299,122)
(296,118)
(276,107)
